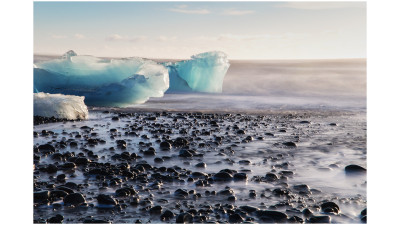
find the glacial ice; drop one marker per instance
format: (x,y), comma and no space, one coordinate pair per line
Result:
(60,106)
(204,72)
(103,82)
(128,81)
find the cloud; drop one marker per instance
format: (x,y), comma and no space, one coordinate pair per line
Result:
(79,36)
(117,37)
(137,38)
(186,10)
(236,12)
(114,37)
(54,36)
(321,5)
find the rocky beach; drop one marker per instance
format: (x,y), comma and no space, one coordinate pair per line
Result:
(138,166)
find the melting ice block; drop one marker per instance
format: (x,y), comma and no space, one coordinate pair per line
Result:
(60,106)
(204,72)
(103,82)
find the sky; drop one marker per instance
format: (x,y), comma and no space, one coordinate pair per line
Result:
(177,30)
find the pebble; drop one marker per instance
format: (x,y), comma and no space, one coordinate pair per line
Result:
(320,219)
(106,200)
(354,169)
(74,199)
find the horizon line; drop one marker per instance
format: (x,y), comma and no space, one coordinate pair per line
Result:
(256,59)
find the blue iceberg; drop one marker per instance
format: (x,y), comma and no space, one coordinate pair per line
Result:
(103,82)
(204,72)
(128,81)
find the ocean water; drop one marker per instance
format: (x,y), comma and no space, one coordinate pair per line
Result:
(256,86)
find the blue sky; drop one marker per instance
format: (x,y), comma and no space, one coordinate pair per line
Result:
(244,30)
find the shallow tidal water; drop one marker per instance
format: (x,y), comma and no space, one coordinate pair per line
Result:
(304,147)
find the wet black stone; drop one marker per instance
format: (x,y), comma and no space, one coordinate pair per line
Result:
(330,207)
(106,199)
(249,209)
(295,219)
(150,152)
(240,176)
(222,176)
(115,118)
(156,209)
(58,194)
(332,124)
(66,189)
(364,219)
(244,162)
(71,185)
(41,196)
(302,187)
(167,215)
(227,191)
(231,198)
(235,218)
(165,145)
(74,199)
(56,219)
(201,165)
(69,165)
(51,168)
(181,193)
(46,148)
(180,142)
(289,144)
(184,218)
(126,191)
(275,216)
(240,132)
(61,177)
(81,161)
(271,177)
(364,212)
(186,153)
(158,160)
(354,169)
(307,212)
(95,221)
(320,219)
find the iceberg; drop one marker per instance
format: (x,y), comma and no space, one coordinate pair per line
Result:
(103,82)
(204,72)
(59,106)
(128,81)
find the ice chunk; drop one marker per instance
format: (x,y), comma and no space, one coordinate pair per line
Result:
(204,72)
(60,106)
(103,82)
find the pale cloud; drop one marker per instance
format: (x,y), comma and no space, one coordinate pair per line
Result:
(184,9)
(137,38)
(321,5)
(54,36)
(114,37)
(79,36)
(117,37)
(236,12)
